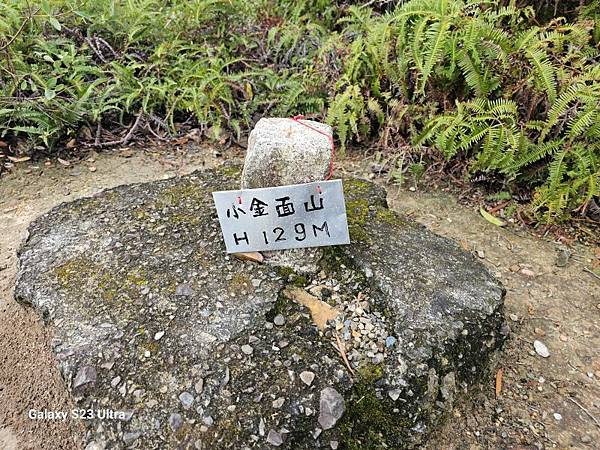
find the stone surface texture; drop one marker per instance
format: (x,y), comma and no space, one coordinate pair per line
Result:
(281,152)
(152,318)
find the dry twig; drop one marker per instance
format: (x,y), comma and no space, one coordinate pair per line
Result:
(95,50)
(499,375)
(340,348)
(591,272)
(127,137)
(585,411)
(98,39)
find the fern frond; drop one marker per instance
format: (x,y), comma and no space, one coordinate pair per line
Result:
(545,72)
(534,153)
(580,123)
(436,39)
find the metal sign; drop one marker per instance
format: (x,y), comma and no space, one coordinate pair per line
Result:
(276,218)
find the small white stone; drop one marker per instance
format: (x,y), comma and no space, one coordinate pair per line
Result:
(158,335)
(279,320)
(541,349)
(307,377)
(274,438)
(528,272)
(394,394)
(247,350)
(186,399)
(147,353)
(557,416)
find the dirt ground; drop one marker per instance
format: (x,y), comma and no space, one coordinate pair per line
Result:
(551,402)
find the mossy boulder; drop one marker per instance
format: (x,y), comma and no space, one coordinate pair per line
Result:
(191,348)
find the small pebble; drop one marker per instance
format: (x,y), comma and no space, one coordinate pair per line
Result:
(186,399)
(279,320)
(557,416)
(247,349)
(86,374)
(130,437)
(541,349)
(528,272)
(175,421)
(307,377)
(159,335)
(394,394)
(274,438)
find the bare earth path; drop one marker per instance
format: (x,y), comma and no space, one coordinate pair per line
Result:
(543,402)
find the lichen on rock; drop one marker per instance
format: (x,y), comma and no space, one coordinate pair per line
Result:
(202,350)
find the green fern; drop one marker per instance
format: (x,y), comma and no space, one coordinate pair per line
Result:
(347,114)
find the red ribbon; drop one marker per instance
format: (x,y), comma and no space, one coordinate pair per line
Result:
(328,136)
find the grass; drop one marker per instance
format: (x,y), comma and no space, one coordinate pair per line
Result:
(514,92)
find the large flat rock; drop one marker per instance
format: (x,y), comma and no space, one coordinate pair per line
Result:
(200,350)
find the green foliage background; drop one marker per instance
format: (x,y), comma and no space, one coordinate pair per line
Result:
(511,90)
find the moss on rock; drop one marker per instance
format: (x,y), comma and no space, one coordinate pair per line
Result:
(154,264)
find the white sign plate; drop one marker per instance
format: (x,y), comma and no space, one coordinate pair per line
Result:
(276,218)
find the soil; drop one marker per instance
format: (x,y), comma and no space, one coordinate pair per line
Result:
(528,402)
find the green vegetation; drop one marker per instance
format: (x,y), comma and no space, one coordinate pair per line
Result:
(512,91)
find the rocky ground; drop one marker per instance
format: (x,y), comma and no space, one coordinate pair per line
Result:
(537,401)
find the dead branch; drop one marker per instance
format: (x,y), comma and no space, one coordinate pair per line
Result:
(95,50)
(154,133)
(126,138)
(106,45)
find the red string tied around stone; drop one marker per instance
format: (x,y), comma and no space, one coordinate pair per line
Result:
(329,138)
